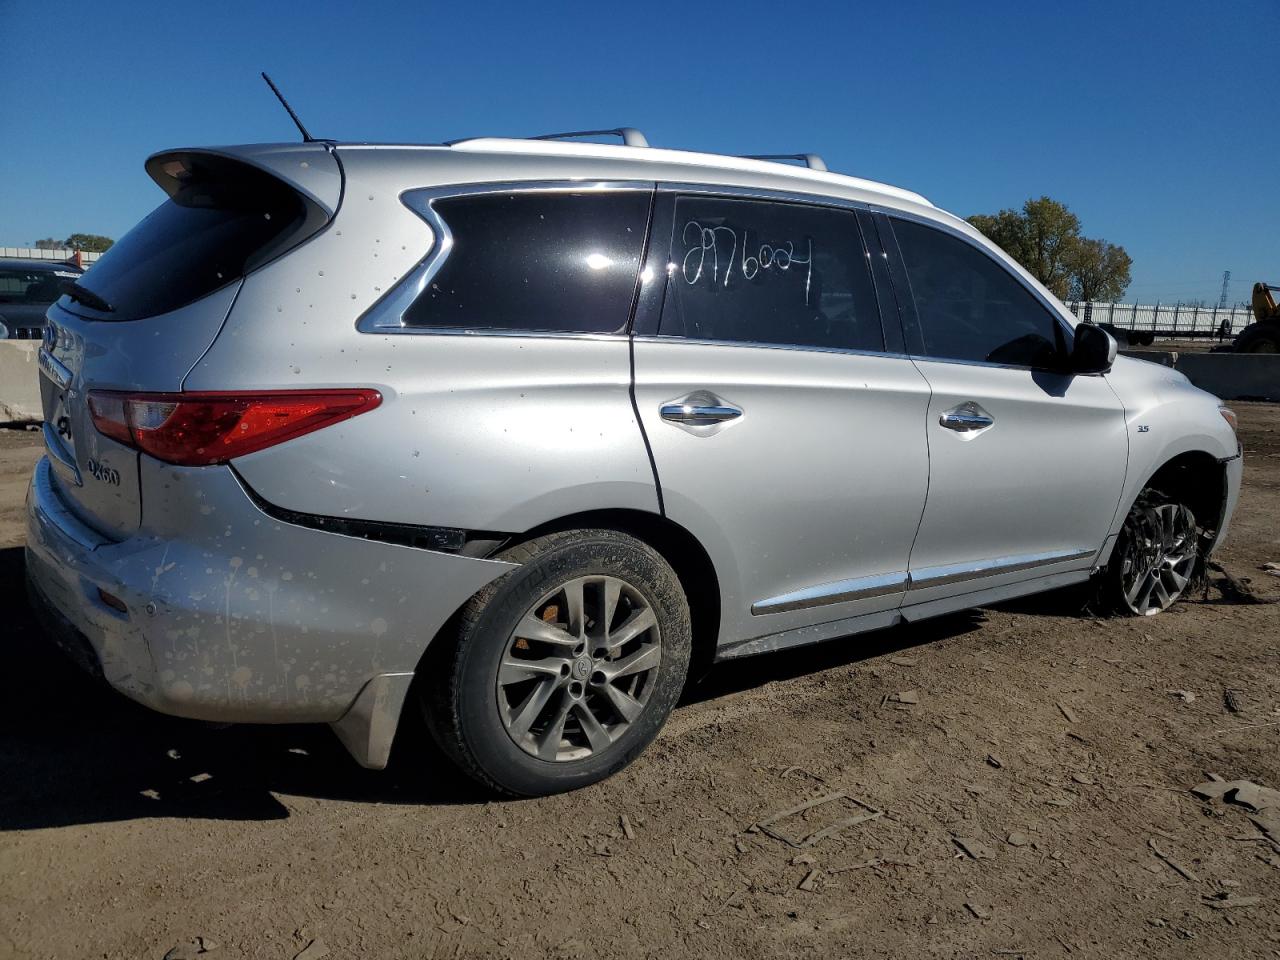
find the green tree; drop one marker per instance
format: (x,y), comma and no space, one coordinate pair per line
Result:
(48,243)
(1042,236)
(1099,271)
(88,242)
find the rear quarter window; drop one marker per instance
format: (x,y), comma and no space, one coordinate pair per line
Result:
(223,219)
(538,261)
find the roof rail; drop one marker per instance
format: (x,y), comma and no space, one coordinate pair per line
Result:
(630,135)
(810,160)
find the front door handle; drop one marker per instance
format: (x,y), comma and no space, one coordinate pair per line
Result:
(966,418)
(699,409)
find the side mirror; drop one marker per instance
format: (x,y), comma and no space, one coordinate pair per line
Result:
(1094,350)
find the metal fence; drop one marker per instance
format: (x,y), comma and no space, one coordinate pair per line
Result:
(1165,319)
(31,253)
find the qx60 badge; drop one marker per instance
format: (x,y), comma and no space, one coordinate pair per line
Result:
(100,471)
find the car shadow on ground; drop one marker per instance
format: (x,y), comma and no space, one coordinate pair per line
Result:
(74,751)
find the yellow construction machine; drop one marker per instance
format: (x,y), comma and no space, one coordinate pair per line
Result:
(1263,335)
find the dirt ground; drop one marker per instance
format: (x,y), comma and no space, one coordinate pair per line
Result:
(1057,748)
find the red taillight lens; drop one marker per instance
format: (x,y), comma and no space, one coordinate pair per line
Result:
(198,429)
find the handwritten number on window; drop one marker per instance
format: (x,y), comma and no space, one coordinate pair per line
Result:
(707,245)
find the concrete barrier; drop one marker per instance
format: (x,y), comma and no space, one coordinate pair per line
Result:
(1231,376)
(19,381)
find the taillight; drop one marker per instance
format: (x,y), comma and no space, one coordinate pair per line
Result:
(198,429)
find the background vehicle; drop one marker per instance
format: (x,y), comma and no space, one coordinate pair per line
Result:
(27,289)
(1262,336)
(529,431)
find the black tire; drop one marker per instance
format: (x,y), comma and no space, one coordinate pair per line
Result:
(1259,338)
(1159,545)
(460,692)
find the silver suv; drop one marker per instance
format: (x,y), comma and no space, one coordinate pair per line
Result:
(524,433)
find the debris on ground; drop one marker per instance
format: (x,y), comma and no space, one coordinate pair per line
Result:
(150,794)
(1233,700)
(906,696)
(980,912)
(1186,696)
(313,951)
(627,830)
(994,761)
(1067,712)
(1225,901)
(904,661)
(201,777)
(974,848)
(809,880)
(191,949)
(1173,864)
(1017,839)
(766,826)
(1234,589)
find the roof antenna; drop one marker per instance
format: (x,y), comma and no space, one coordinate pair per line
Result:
(306,137)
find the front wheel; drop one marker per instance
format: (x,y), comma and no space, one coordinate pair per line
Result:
(563,670)
(1155,556)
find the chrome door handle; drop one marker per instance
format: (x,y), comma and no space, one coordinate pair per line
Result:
(966,418)
(698,413)
(702,408)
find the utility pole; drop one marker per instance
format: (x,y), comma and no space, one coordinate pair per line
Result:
(1226,282)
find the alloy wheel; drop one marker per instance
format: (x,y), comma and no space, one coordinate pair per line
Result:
(1159,557)
(579,668)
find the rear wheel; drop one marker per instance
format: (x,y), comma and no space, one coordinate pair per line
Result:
(1155,556)
(563,670)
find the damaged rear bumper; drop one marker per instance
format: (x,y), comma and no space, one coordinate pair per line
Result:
(233,616)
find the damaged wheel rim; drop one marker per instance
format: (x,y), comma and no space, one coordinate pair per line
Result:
(579,668)
(1159,557)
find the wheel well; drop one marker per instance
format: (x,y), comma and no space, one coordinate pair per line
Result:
(680,548)
(1198,480)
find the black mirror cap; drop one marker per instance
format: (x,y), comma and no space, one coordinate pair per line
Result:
(1094,350)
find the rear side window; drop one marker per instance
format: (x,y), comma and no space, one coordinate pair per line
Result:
(972,308)
(222,219)
(755,271)
(539,261)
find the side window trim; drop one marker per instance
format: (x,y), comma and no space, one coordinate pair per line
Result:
(386,316)
(662,224)
(911,322)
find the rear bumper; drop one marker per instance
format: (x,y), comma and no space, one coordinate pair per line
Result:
(234,616)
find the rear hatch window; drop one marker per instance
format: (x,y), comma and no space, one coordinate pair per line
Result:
(223,218)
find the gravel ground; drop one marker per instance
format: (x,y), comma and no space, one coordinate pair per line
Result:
(1023,798)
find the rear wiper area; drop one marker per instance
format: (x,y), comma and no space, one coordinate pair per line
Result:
(86,296)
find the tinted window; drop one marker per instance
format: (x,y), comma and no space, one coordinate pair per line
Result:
(756,271)
(537,261)
(39,285)
(222,217)
(972,308)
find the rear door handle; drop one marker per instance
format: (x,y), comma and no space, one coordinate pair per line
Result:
(966,418)
(699,409)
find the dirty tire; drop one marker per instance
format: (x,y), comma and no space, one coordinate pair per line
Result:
(1156,560)
(460,694)
(1259,338)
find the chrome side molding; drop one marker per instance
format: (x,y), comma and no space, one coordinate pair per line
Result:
(864,588)
(977,569)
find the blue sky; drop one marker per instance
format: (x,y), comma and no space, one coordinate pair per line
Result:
(1146,119)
